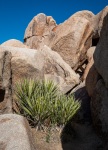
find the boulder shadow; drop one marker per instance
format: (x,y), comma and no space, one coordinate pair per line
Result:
(78,133)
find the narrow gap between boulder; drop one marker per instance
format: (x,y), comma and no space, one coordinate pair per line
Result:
(80,70)
(2,94)
(95,41)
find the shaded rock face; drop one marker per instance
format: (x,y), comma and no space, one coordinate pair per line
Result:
(100,59)
(83,116)
(99,108)
(5,83)
(39,31)
(79,133)
(101,53)
(14,43)
(97,83)
(82,137)
(15,133)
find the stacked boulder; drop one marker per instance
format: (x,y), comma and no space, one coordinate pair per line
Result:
(71,54)
(70,39)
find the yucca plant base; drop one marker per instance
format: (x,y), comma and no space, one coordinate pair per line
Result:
(43,105)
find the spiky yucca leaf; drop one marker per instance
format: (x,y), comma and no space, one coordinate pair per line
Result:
(64,109)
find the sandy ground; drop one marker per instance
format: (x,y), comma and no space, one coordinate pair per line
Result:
(81,138)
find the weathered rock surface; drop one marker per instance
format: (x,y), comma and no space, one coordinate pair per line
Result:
(73,38)
(70,39)
(5,83)
(39,31)
(29,63)
(15,133)
(57,70)
(97,21)
(14,43)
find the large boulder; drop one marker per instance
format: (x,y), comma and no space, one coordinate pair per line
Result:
(101,53)
(97,83)
(39,31)
(73,38)
(44,64)
(15,133)
(14,43)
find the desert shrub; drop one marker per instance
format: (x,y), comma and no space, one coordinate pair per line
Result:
(41,101)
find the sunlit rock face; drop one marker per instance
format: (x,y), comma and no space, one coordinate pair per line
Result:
(39,31)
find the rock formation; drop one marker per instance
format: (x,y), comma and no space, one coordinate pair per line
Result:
(68,53)
(29,63)
(68,39)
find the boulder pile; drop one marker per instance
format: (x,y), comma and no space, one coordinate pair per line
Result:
(74,55)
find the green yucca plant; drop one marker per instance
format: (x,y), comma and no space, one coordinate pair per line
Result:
(34,98)
(41,100)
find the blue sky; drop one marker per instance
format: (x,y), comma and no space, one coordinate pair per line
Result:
(16,14)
